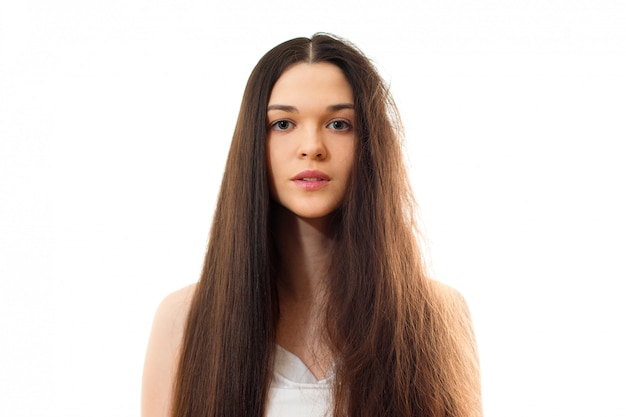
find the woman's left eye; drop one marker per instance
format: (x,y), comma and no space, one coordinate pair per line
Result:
(339,125)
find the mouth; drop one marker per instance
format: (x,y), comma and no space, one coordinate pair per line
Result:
(311,176)
(311,180)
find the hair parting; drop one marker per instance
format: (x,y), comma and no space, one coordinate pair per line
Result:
(401,347)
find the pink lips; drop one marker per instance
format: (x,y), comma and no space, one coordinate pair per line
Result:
(311,180)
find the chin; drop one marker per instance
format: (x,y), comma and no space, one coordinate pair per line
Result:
(310,209)
(312,215)
(310,212)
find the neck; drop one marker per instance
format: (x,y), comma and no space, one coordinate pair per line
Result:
(303,249)
(304,246)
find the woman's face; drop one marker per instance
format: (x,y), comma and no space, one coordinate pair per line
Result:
(311,139)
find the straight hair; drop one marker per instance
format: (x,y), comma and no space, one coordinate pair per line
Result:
(401,348)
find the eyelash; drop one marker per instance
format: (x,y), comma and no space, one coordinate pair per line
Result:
(276,123)
(347,125)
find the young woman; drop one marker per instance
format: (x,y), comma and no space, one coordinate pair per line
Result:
(313,300)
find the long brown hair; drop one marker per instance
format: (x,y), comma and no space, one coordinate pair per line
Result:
(401,348)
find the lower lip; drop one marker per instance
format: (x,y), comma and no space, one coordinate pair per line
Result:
(311,185)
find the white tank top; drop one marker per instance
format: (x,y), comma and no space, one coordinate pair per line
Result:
(295,391)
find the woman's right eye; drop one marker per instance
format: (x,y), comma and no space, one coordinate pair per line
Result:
(282,125)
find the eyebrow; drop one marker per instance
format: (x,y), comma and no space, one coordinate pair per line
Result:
(293,109)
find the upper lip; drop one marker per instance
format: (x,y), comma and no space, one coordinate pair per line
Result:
(311,174)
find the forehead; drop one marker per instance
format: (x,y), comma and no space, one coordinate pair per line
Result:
(307,84)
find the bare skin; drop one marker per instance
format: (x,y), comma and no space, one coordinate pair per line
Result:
(311,117)
(311,129)
(304,246)
(163,352)
(298,327)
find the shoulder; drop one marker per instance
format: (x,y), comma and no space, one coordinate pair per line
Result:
(460,337)
(174,308)
(168,329)
(449,296)
(455,312)
(171,317)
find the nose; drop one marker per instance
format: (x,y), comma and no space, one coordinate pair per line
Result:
(312,145)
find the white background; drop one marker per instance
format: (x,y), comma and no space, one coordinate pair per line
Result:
(116,117)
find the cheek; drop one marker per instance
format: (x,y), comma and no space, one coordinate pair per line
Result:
(275,151)
(348,155)
(270,180)
(270,158)
(273,163)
